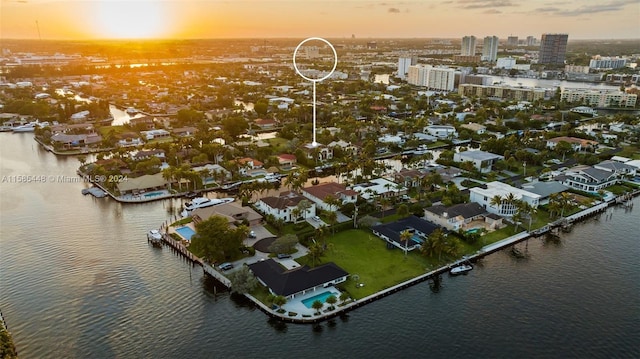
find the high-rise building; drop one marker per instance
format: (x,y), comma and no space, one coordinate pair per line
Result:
(600,62)
(531,41)
(553,48)
(490,49)
(468,46)
(403,66)
(512,41)
(435,78)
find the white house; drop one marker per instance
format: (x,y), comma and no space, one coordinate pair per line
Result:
(455,217)
(283,206)
(379,187)
(475,127)
(210,173)
(482,161)
(154,134)
(441,131)
(587,178)
(318,193)
(494,189)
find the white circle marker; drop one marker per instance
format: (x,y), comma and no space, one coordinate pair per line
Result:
(295,66)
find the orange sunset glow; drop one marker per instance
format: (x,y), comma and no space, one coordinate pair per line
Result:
(75,19)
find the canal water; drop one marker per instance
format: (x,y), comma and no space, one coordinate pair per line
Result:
(78,280)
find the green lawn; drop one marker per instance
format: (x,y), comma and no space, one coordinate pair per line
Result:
(278,144)
(437,144)
(363,254)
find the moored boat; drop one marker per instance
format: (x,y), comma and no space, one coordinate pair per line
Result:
(460,269)
(203,202)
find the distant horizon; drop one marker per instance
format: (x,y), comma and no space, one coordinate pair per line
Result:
(248,19)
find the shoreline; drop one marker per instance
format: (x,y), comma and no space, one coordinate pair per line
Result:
(352,305)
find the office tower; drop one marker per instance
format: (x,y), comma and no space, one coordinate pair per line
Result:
(403,66)
(512,41)
(468,46)
(531,41)
(553,48)
(490,49)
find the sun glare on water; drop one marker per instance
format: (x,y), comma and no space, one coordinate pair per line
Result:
(130,20)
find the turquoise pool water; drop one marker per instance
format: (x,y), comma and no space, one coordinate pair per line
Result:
(153,194)
(322,297)
(474,230)
(186,232)
(416,238)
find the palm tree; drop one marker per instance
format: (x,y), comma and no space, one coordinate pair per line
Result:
(169,175)
(295,214)
(331,300)
(333,202)
(279,301)
(332,217)
(304,207)
(344,296)
(317,305)
(405,236)
(315,252)
(496,201)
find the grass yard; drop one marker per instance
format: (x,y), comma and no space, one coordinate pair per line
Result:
(279,144)
(364,255)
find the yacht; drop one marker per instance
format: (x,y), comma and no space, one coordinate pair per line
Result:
(460,269)
(29,127)
(131,111)
(203,202)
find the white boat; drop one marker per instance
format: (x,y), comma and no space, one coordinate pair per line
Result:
(131,111)
(203,202)
(460,269)
(29,127)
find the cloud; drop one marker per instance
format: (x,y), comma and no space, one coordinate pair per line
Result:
(394,10)
(492,11)
(616,5)
(484,4)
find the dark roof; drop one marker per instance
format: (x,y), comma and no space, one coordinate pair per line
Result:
(466,210)
(287,282)
(392,230)
(493,216)
(596,174)
(285,200)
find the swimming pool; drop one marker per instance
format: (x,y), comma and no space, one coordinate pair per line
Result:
(416,238)
(474,230)
(322,297)
(154,194)
(185,232)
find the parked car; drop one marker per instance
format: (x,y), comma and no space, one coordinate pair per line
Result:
(226,266)
(284,256)
(252,234)
(316,218)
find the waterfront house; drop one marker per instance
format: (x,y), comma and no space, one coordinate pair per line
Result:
(346,147)
(379,188)
(482,161)
(544,189)
(418,227)
(65,141)
(587,178)
(142,184)
(297,281)
(619,168)
(248,166)
(319,152)
(462,216)
(485,196)
(282,207)
(233,212)
(144,122)
(287,161)
(81,116)
(155,134)
(318,193)
(409,178)
(129,139)
(212,173)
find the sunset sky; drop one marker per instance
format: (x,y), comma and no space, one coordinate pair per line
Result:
(102,19)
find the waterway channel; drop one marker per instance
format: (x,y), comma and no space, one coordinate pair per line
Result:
(78,280)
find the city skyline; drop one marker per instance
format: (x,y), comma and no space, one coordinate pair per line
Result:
(192,19)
